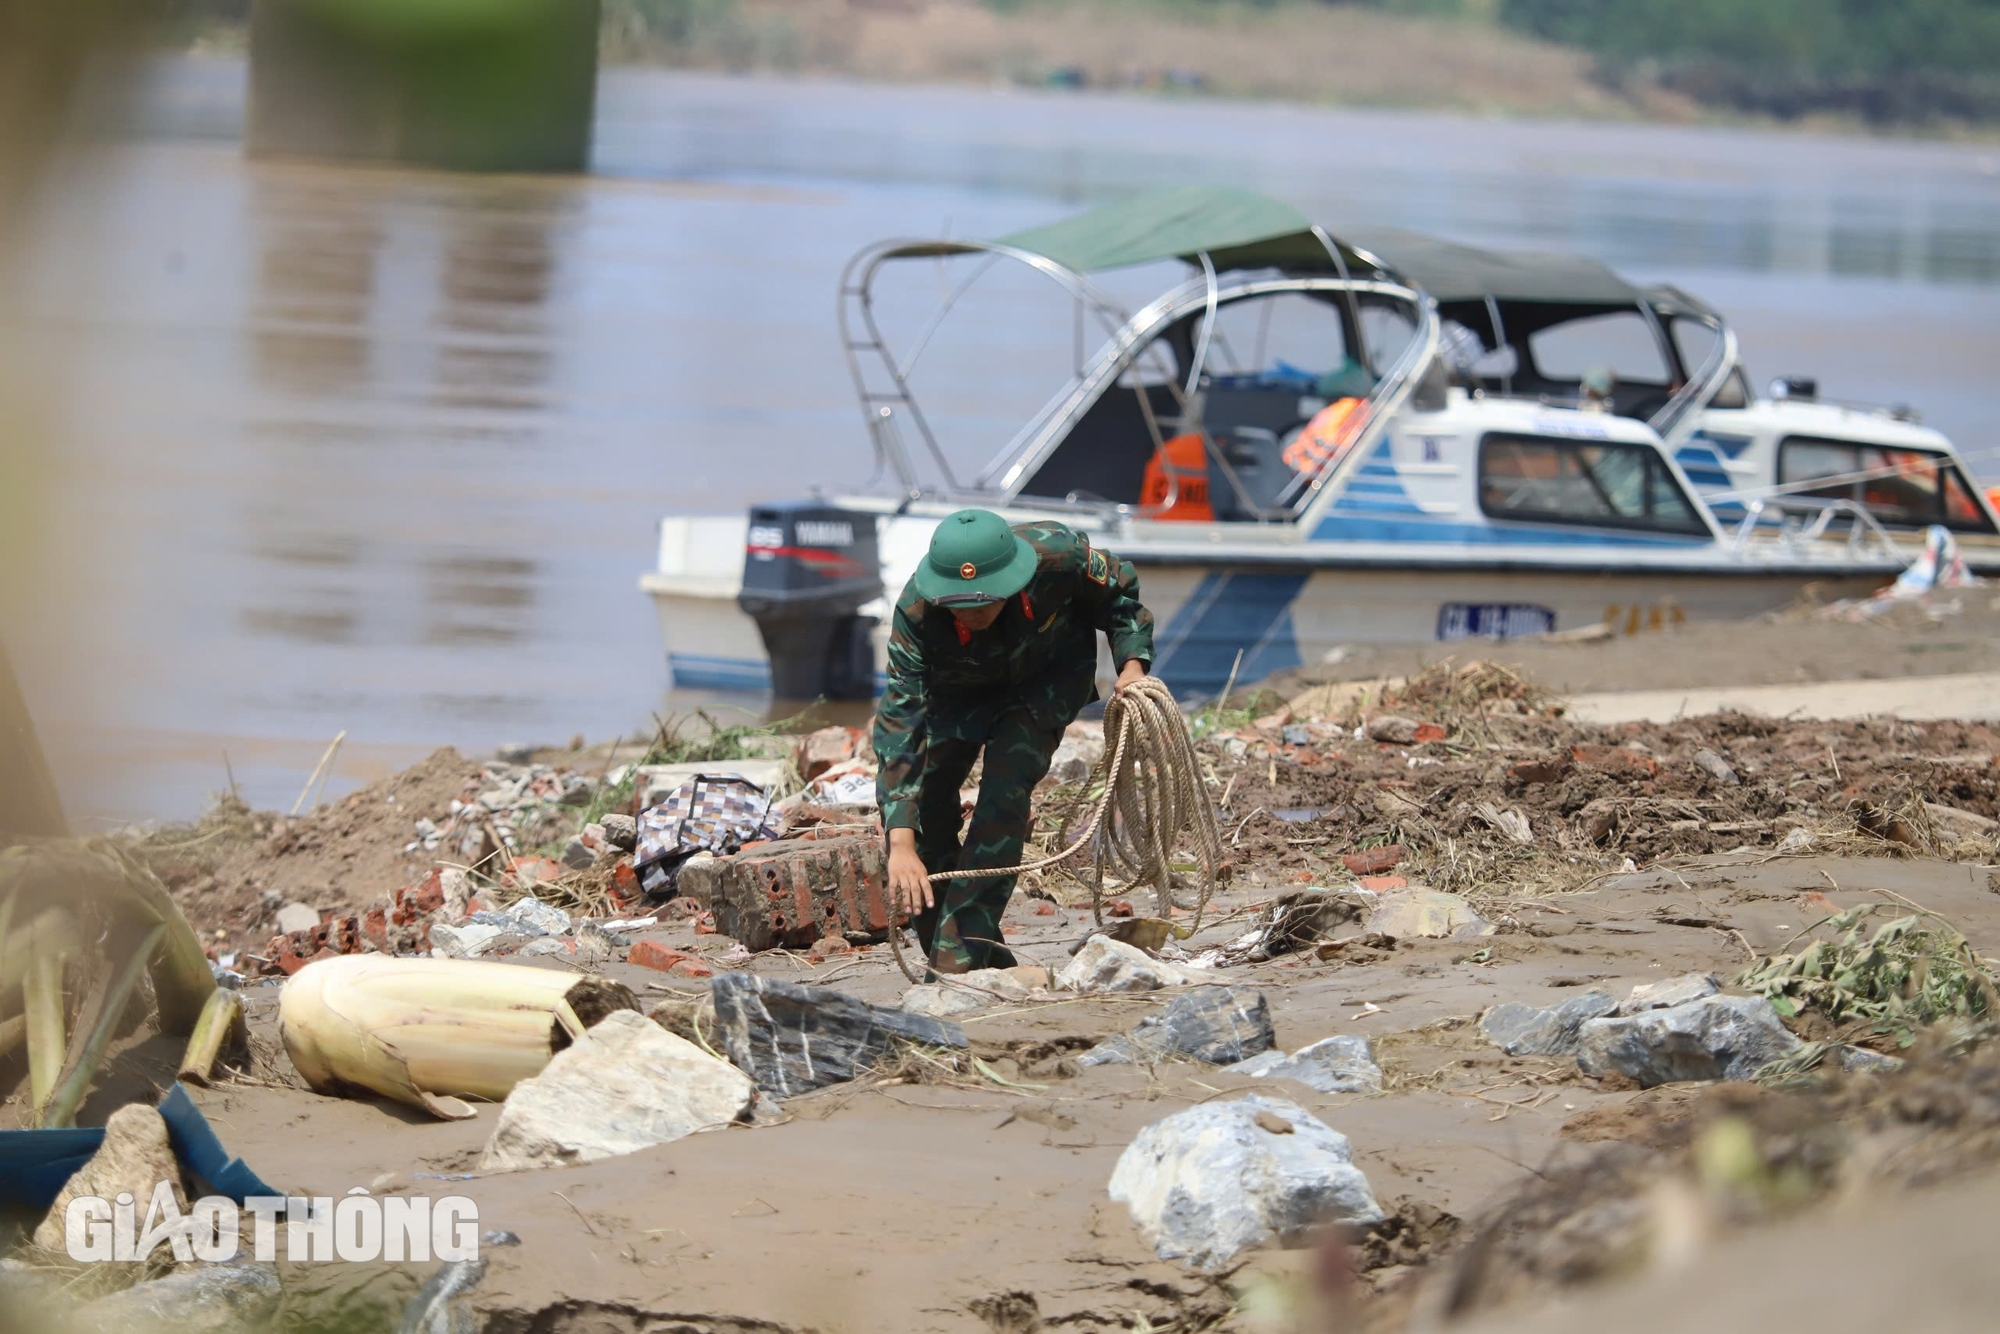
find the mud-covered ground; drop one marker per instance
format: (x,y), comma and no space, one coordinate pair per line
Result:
(1604,857)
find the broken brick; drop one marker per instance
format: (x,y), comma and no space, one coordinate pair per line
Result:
(419,900)
(1118,908)
(1374,861)
(652,954)
(1616,761)
(531,871)
(1538,771)
(625,884)
(826,947)
(690,968)
(795,891)
(1045,909)
(1382,884)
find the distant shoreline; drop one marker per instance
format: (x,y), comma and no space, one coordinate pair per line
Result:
(1322,56)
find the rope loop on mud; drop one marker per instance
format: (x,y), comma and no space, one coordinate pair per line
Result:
(1152,796)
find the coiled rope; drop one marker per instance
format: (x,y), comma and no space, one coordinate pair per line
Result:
(1152,796)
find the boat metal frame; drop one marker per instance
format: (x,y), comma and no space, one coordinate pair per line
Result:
(884,389)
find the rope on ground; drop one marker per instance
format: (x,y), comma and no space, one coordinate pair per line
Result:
(1152,796)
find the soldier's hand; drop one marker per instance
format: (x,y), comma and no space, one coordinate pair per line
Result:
(1132,671)
(909,881)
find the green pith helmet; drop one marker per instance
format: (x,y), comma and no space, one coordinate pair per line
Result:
(975,557)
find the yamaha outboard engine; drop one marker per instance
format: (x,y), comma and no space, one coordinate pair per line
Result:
(808,569)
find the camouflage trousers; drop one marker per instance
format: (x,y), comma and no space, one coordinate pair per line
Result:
(961,930)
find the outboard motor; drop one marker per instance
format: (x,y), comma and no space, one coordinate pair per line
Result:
(808,569)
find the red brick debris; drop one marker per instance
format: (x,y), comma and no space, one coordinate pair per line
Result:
(1374,861)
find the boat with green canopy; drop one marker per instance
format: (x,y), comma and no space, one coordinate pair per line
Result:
(1306,440)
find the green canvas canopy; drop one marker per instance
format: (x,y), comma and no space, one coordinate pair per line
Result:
(1453,273)
(1235,228)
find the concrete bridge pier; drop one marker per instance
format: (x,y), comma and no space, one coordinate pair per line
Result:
(470,85)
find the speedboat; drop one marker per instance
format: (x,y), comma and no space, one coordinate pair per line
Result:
(1540,324)
(1309,441)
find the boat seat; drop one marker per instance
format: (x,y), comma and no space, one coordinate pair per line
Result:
(1249,426)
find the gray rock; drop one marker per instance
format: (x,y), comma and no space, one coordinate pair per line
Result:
(1524,1030)
(941,1001)
(1104,964)
(1717,1037)
(621,832)
(441,1305)
(297,917)
(235,1297)
(516,752)
(1392,729)
(627,1085)
(1295,736)
(595,945)
(535,918)
(1859,1060)
(1716,767)
(1220,1025)
(1209,1182)
(1340,1064)
(791,1039)
(576,854)
(463,942)
(1671,992)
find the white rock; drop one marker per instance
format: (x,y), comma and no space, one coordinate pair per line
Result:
(1076,757)
(940,1000)
(1209,1182)
(297,917)
(1414,912)
(228,1298)
(1671,992)
(458,893)
(1799,839)
(134,1157)
(1339,1064)
(463,942)
(1104,964)
(627,1085)
(538,917)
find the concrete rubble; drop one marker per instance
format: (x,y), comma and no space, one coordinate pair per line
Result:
(1210,1182)
(628,1084)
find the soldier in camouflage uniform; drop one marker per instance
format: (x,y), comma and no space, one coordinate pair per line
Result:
(994,647)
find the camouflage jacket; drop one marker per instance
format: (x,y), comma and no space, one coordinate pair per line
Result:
(1041,653)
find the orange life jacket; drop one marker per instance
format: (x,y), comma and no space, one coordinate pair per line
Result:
(1186,462)
(1329,435)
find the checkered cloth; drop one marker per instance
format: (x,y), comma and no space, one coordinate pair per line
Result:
(707,813)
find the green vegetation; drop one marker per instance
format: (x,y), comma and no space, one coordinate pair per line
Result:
(1884,60)
(1910,972)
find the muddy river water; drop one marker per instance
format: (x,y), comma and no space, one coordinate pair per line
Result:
(383,451)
